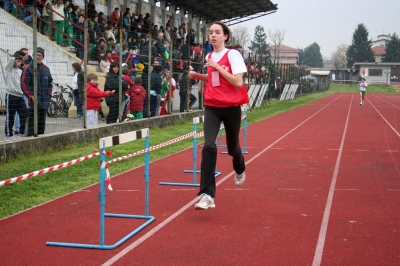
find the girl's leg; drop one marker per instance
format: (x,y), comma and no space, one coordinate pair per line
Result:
(232,121)
(212,123)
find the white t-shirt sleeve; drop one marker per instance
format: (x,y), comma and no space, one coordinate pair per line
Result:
(237,63)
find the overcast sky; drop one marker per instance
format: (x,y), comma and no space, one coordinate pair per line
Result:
(328,23)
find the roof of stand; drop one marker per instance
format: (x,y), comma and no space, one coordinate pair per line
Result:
(230,12)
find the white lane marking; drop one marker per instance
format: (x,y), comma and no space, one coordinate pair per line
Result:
(362,150)
(324,225)
(237,188)
(391,151)
(129,248)
(305,148)
(127,190)
(291,189)
(387,122)
(347,189)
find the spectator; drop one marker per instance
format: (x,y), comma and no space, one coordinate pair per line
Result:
(137,95)
(93,100)
(100,50)
(69,27)
(190,37)
(207,48)
(75,14)
(167,38)
(44,87)
(27,59)
(146,27)
(182,30)
(167,80)
(77,87)
(96,27)
(186,87)
(144,52)
(156,83)
(79,34)
(114,18)
(29,14)
(58,22)
(159,45)
(46,16)
(91,9)
(104,64)
(112,83)
(102,20)
(14,100)
(110,34)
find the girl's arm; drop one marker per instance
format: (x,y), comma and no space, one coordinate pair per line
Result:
(196,76)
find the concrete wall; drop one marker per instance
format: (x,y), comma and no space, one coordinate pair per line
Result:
(57,141)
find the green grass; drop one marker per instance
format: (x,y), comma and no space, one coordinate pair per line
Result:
(354,88)
(28,193)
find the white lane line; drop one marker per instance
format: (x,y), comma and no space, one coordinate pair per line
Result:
(324,225)
(391,151)
(127,190)
(291,189)
(237,188)
(347,189)
(362,150)
(305,148)
(387,102)
(387,122)
(129,248)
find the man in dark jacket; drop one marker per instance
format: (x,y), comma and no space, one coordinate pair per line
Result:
(155,88)
(44,89)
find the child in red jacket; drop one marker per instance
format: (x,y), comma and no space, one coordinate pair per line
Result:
(137,95)
(93,97)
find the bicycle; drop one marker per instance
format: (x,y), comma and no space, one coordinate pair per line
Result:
(59,104)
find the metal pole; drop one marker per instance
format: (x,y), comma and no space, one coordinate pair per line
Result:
(35,74)
(148,75)
(85,61)
(120,68)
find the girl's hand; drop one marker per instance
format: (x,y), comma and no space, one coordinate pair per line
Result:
(212,63)
(193,74)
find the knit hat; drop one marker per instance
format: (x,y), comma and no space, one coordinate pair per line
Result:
(40,50)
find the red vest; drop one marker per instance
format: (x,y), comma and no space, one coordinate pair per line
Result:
(224,95)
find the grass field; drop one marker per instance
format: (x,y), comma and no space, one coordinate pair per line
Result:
(29,193)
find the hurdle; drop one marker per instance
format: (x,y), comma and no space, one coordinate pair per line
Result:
(109,142)
(244,151)
(196,120)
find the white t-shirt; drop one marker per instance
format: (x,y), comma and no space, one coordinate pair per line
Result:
(75,81)
(235,58)
(363,86)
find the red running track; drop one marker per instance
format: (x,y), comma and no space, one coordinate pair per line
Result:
(322,188)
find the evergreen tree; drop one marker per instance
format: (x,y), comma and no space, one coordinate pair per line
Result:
(360,48)
(392,49)
(301,57)
(259,45)
(312,56)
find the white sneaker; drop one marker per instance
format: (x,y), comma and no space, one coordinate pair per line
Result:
(360,103)
(205,202)
(239,179)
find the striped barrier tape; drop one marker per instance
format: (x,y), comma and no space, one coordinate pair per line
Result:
(47,170)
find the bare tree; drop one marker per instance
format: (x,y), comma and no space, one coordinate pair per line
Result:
(240,35)
(339,58)
(277,36)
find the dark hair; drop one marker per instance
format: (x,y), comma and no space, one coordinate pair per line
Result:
(225,29)
(125,71)
(138,80)
(77,66)
(157,68)
(112,65)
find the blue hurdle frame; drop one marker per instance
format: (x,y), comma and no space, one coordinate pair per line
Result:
(103,214)
(244,151)
(196,120)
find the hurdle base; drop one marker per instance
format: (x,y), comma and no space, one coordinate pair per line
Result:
(198,172)
(108,247)
(179,184)
(243,152)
